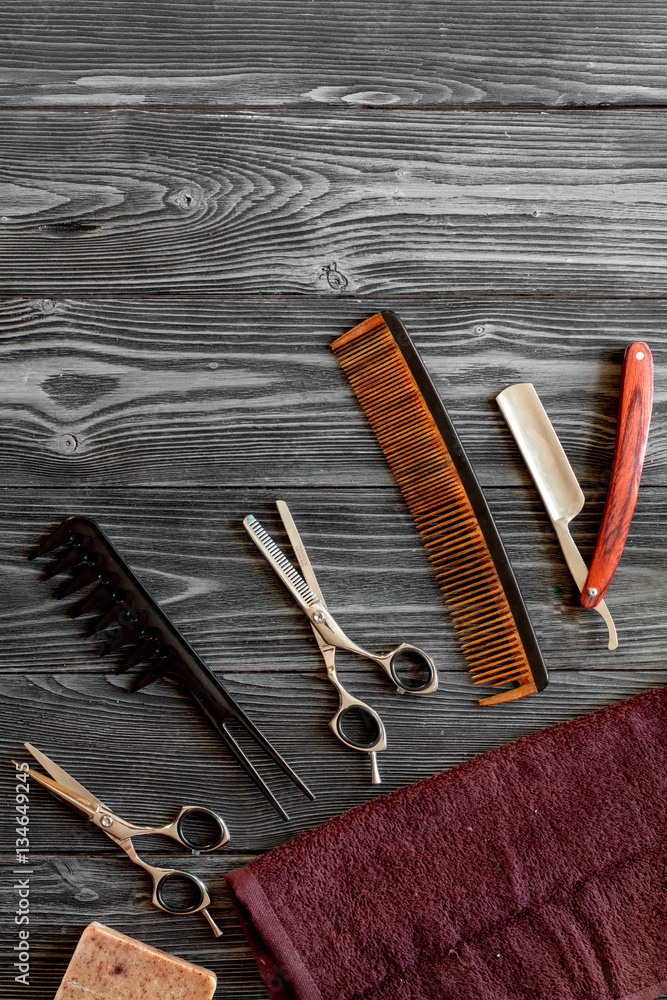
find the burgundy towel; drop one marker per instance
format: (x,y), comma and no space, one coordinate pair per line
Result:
(534,872)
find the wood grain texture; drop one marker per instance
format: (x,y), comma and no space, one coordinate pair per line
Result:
(219,392)
(75,873)
(65,889)
(192,554)
(263,52)
(149,754)
(429,203)
(172,279)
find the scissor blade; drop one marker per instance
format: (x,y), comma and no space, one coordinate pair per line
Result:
(304,564)
(61,775)
(294,582)
(82,803)
(299,550)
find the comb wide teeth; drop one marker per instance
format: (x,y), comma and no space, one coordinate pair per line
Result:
(62,535)
(156,668)
(71,557)
(88,573)
(129,633)
(115,612)
(102,593)
(150,647)
(113,606)
(429,480)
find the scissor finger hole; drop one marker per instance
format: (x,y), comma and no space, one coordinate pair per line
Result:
(200,830)
(411,669)
(179,893)
(359,727)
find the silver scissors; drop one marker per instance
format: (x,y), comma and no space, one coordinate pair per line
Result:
(64,787)
(306,592)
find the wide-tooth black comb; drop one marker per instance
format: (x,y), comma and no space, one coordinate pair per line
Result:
(118,597)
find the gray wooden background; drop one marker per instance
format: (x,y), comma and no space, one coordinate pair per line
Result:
(195,199)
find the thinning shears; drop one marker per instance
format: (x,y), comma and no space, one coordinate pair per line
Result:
(306,592)
(65,788)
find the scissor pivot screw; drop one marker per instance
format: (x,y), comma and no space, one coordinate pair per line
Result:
(592,591)
(106,821)
(319,617)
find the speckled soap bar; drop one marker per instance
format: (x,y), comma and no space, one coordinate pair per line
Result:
(108,965)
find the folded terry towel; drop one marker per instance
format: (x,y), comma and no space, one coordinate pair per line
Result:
(535,872)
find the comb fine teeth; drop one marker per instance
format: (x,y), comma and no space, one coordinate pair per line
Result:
(428,462)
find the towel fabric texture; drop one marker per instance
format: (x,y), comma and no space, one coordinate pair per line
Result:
(537,871)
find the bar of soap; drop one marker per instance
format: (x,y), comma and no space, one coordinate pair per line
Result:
(108,965)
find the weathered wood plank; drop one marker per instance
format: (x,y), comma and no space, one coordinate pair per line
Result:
(215,391)
(366,211)
(353,53)
(148,754)
(400,203)
(66,893)
(76,875)
(192,553)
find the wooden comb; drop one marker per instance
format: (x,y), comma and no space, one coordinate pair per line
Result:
(447,504)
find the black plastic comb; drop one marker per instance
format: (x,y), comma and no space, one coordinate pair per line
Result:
(119,600)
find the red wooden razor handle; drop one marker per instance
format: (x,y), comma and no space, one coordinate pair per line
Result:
(634,417)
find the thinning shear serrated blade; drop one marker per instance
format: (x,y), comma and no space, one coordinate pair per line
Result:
(293,580)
